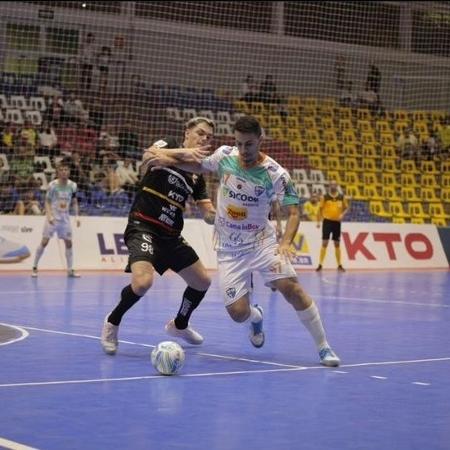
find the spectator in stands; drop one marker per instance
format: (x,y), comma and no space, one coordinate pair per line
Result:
(4,173)
(332,209)
(129,142)
(373,81)
(431,149)
(22,165)
(29,135)
(30,203)
(347,98)
(10,202)
(408,145)
(127,176)
(55,111)
(249,90)
(88,58)
(268,91)
(74,111)
(8,139)
(47,140)
(78,172)
(311,208)
(103,64)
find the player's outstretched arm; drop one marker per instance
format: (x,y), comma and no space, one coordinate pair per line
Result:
(293,221)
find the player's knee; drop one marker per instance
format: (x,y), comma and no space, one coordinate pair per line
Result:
(203,282)
(142,282)
(239,311)
(68,244)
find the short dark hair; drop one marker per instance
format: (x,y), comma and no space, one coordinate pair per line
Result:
(196,120)
(248,124)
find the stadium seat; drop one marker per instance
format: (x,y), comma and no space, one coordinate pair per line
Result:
(38,104)
(389,165)
(371,192)
(294,100)
(257,108)
(428,180)
(292,122)
(335,175)
(332,149)
(14,116)
(408,165)
(369,151)
(345,113)
(345,124)
(388,152)
(445,195)
(34,117)
(320,189)
(417,220)
(333,163)
(5,165)
(389,193)
(409,194)
(329,135)
(368,138)
(309,122)
(314,148)
(408,179)
(275,121)
(363,114)
(383,126)
(224,129)
(300,176)
(371,177)
(437,211)
(327,123)
(317,176)
(41,177)
(210,115)
(401,115)
(350,150)
(388,179)
(302,190)
(445,179)
(419,116)
(376,207)
(44,161)
(242,106)
(18,102)
(396,210)
(189,113)
(316,161)
(353,164)
(277,134)
(174,114)
(4,104)
(352,178)
(293,135)
(369,165)
(428,194)
(400,126)
(364,126)
(445,166)
(438,221)
(398,220)
(297,148)
(354,192)
(416,210)
(387,139)
(428,167)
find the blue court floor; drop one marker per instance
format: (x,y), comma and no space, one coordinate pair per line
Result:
(59,391)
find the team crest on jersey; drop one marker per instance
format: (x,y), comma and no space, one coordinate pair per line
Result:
(227,150)
(259,190)
(147,238)
(236,213)
(231,292)
(272,167)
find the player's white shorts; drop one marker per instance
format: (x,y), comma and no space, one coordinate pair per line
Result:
(235,270)
(62,229)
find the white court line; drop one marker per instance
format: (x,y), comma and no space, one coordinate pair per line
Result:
(420,383)
(377,377)
(23,334)
(11,445)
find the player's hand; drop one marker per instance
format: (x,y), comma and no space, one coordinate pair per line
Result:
(197,154)
(284,249)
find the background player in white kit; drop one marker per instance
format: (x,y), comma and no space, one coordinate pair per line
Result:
(58,201)
(250,182)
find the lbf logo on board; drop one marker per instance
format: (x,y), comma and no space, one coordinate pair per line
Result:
(302,255)
(114,245)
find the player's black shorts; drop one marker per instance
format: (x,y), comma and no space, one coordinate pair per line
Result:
(162,252)
(333,228)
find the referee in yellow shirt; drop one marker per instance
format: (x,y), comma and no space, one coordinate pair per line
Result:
(332,209)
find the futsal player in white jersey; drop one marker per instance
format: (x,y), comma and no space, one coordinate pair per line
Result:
(250,182)
(60,197)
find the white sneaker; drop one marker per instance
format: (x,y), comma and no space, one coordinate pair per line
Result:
(109,339)
(12,252)
(72,274)
(328,357)
(256,335)
(188,334)
(34,272)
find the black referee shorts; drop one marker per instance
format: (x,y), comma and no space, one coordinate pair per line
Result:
(333,228)
(162,252)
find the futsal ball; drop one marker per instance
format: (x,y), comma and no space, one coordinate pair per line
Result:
(168,357)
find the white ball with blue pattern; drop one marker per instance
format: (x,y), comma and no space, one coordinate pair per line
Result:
(168,357)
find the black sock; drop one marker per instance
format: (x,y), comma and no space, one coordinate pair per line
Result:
(127,299)
(191,299)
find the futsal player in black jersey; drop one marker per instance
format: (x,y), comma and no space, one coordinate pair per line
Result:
(153,234)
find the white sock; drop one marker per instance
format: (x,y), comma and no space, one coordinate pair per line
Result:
(255,315)
(310,318)
(69,258)
(37,257)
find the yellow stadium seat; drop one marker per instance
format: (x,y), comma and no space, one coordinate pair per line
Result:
(438,221)
(327,123)
(345,124)
(445,180)
(419,116)
(400,126)
(398,220)
(428,180)
(327,112)
(416,210)
(364,126)
(445,166)
(261,118)
(345,113)
(368,138)
(438,116)
(309,122)
(309,111)
(388,179)
(293,134)
(292,122)
(409,194)
(257,108)
(371,178)
(297,147)
(420,128)
(310,102)
(312,135)
(316,162)
(352,164)
(350,150)
(437,210)
(363,114)
(390,193)
(408,165)
(371,192)
(335,175)
(417,220)
(401,115)
(349,137)
(387,139)
(332,148)
(383,126)
(428,194)
(389,165)
(294,100)
(327,103)
(428,167)
(314,148)
(352,178)
(369,151)
(333,163)
(275,121)
(436,127)
(277,134)
(354,192)
(376,207)
(388,152)
(294,110)
(242,106)
(445,195)
(408,179)
(396,210)
(369,165)
(329,135)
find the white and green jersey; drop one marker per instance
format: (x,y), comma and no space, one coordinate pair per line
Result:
(60,198)
(244,198)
